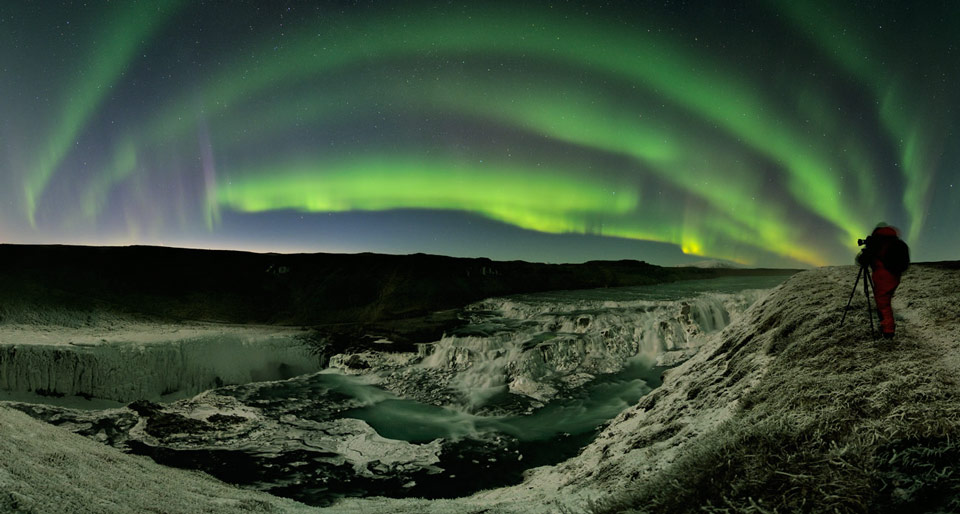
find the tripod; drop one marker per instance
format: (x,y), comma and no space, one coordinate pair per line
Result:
(867,286)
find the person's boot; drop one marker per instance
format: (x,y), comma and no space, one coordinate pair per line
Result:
(888,335)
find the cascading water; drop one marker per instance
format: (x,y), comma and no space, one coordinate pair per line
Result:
(526,382)
(540,347)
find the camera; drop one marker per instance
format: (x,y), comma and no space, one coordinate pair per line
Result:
(861,242)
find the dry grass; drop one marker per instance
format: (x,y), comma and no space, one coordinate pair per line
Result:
(839,422)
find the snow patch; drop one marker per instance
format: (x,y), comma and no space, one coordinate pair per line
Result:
(169,365)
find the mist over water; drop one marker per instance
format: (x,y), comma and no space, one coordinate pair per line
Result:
(587,355)
(597,402)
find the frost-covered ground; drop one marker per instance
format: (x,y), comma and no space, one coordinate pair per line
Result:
(781,410)
(289,436)
(467,412)
(48,469)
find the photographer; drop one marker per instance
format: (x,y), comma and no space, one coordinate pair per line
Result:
(888,256)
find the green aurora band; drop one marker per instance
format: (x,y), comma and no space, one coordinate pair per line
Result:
(903,113)
(658,64)
(674,144)
(557,113)
(568,115)
(554,202)
(131,25)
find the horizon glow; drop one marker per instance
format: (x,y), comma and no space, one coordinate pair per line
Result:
(771,135)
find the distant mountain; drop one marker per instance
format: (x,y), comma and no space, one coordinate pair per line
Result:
(711,264)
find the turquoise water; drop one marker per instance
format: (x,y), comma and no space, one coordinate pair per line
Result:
(595,403)
(489,436)
(580,413)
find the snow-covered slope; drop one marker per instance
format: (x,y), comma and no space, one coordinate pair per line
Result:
(783,410)
(44,469)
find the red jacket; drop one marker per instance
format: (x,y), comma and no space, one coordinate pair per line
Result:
(876,247)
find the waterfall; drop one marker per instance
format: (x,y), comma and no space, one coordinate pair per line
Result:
(536,347)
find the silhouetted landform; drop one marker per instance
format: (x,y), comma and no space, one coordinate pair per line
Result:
(295,289)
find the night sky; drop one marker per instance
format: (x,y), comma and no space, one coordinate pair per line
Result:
(763,132)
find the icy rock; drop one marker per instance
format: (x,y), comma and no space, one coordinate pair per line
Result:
(362,362)
(675,357)
(126,371)
(540,348)
(185,433)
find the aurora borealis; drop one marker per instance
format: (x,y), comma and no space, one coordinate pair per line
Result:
(762,132)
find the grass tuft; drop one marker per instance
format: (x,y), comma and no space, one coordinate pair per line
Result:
(837,422)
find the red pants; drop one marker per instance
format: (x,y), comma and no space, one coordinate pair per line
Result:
(884,284)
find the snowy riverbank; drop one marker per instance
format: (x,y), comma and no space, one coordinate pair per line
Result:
(45,469)
(780,410)
(472,410)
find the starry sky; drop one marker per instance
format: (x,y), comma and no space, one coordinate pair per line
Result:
(762,132)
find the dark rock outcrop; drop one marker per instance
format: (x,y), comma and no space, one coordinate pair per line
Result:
(298,289)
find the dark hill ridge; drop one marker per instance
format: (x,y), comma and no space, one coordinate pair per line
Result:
(295,289)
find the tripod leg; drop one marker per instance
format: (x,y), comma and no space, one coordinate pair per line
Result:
(851,296)
(866,292)
(869,282)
